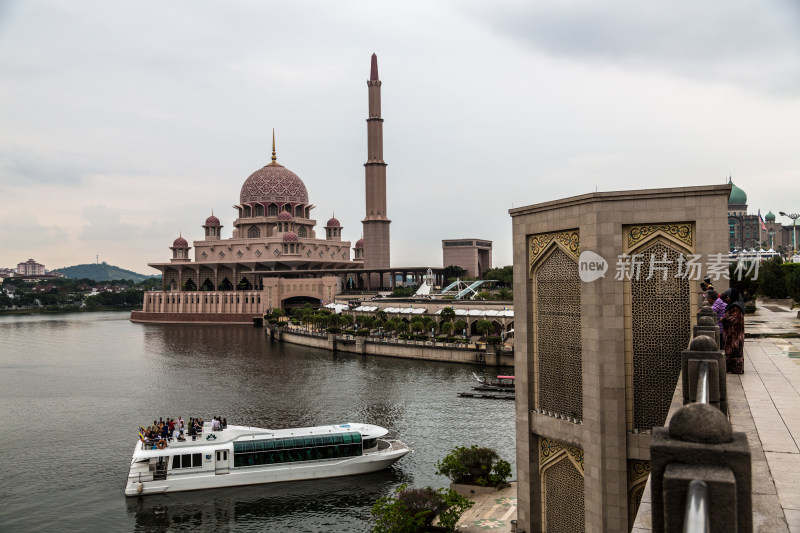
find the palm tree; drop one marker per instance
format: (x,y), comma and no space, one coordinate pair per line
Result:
(446,328)
(448,314)
(483,327)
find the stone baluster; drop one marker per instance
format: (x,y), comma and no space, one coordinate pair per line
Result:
(699,444)
(704,348)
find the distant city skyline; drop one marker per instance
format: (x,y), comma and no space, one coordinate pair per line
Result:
(126,125)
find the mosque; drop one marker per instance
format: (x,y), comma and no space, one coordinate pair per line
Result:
(747,231)
(275,257)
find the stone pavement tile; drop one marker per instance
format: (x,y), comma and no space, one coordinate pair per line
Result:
(789,495)
(770,525)
(792,517)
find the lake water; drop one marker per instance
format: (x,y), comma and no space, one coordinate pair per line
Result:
(75,387)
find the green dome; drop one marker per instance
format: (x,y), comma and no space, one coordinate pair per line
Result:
(770,217)
(738,196)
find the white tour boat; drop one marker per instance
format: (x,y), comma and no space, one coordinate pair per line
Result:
(240,455)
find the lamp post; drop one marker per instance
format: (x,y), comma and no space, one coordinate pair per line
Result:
(794,217)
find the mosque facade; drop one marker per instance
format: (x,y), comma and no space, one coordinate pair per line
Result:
(276,257)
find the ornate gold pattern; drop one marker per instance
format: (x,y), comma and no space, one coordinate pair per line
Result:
(682,232)
(563,487)
(558,311)
(638,470)
(570,239)
(549,448)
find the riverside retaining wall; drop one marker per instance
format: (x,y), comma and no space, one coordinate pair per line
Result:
(421,350)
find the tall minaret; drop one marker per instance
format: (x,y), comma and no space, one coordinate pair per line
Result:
(376,223)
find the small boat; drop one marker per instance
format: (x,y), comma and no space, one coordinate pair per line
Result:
(501,384)
(240,455)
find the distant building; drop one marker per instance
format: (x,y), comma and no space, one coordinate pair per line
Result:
(30,268)
(473,255)
(746,231)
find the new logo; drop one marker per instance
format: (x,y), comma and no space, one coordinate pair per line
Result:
(591,266)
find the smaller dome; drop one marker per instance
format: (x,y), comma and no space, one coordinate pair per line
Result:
(285,215)
(770,217)
(212,221)
(290,236)
(333,223)
(738,196)
(180,242)
(360,243)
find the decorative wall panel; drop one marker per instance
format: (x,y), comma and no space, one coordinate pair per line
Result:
(660,329)
(549,449)
(682,232)
(558,334)
(537,244)
(563,498)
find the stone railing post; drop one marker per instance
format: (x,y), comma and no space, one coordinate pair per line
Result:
(708,326)
(706,310)
(704,348)
(332,342)
(700,445)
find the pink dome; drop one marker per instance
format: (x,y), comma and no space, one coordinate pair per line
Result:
(285,215)
(212,221)
(180,242)
(360,243)
(290,236)
(333,223)
(274,183)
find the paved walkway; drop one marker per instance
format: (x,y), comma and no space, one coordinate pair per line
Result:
(491,512)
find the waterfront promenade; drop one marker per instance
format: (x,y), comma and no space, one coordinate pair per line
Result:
(765,405)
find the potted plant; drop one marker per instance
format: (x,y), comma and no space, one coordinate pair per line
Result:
(474,470)
(414,510)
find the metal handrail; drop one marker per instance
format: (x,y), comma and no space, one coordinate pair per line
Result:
(697,516)
(702,383)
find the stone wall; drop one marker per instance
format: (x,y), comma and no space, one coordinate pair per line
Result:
(193,318)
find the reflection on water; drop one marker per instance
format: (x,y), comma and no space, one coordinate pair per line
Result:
(81,384)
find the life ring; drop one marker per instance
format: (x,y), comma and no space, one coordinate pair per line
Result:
(161,444)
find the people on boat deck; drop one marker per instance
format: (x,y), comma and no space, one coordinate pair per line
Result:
(165,430)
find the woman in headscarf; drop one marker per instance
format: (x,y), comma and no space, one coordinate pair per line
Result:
(733,340)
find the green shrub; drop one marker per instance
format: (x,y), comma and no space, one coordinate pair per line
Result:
(334,330)
(413,510)
(772,279)
(362,332)
(793,283)
(474,466)
(494,339)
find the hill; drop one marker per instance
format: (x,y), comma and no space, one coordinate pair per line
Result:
(101,272)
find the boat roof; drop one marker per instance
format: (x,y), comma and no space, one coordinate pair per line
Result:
(210,439)
(506,377)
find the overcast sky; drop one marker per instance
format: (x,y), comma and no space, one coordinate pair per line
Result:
(123,124)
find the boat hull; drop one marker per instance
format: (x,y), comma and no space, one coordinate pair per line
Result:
(369,462)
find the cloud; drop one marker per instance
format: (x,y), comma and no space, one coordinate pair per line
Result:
(751,43)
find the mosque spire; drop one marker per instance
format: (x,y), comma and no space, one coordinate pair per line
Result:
(274,157)
(373,75)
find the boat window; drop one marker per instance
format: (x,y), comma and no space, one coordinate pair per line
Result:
(197,459)
(269,445)
(337,439)
(318,441)
(327,439)
(176,462)
(308,441)
(356,437)
(259,446)
(346,438)
(249,447)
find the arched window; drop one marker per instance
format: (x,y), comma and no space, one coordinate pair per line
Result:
(298,211)
(272,210)
(301,232)
(247,211)
(287,208)
(253,232)
(259,210)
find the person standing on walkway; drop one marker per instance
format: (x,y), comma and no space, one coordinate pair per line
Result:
(733,325)
(719,307)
